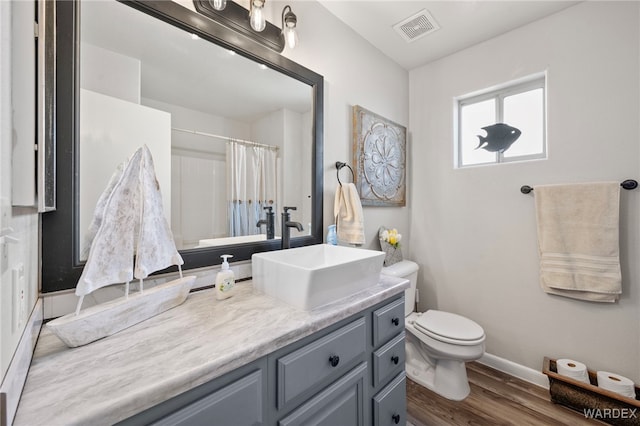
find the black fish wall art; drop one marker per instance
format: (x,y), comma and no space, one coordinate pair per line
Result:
(499,137)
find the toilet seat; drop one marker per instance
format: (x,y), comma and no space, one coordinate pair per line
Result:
(449,328)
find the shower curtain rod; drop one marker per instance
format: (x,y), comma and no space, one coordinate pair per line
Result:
(227,138)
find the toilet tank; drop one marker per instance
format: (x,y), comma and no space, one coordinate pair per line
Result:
(408,270)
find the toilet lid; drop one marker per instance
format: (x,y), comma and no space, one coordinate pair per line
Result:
(449,328)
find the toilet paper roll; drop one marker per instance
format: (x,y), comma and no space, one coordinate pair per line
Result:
(572,368)
(616,383)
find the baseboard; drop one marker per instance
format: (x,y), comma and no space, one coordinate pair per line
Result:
(16,375)
(520,371)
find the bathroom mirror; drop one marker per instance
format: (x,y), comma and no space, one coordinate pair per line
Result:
(129,75)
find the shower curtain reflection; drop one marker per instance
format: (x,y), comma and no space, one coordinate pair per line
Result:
(251,185)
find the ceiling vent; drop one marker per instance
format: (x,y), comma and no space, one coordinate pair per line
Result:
(416,26)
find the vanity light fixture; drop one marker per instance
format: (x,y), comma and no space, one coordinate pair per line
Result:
(252,23)
(289,22)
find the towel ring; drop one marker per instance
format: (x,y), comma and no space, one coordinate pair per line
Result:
(339,166)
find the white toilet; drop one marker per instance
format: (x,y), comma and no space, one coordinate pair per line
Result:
(438,343)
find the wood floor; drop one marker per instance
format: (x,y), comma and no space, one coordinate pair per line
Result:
(496,399)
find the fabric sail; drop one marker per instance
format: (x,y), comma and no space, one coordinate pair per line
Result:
(130,222)
(110,257)
(156,246)
(98,213)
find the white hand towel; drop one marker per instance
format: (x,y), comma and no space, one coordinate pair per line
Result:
(347,210)
(578,240)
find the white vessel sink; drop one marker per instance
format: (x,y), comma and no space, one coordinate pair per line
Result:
(312,276)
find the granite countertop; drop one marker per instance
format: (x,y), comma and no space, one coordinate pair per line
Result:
(119,376)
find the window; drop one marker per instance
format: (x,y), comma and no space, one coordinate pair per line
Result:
(503,125)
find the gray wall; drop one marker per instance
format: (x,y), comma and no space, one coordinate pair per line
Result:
(355,73)
(472,231)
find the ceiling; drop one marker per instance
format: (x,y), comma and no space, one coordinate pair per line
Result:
(462,23)
(169,69)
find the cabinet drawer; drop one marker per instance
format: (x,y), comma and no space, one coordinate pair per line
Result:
(239,403)
(388,360)
(388,321)
(390,405)
(319,360)
(342,403)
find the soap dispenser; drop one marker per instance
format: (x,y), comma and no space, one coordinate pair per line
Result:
(225,280)
(332,237)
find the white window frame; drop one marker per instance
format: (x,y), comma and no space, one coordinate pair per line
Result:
(537,81)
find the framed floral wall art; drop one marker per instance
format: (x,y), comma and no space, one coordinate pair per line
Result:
(379,154)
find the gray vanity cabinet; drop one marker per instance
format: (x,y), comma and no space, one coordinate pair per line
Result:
(239,403)
(348,374)
(302,371)
(237,398)
(388,321)
(323,379)
(389,405)
(342,403)
(389,360)
(388,385)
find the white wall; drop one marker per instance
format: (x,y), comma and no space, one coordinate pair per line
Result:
(191,119)
(110,93)
(198,167)
(355,73)
(23,220)
(472,231)
(111,130)
(110,73)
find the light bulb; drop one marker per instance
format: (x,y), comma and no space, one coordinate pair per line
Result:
(289,22)
(291,37)
(218,4)
(257,20)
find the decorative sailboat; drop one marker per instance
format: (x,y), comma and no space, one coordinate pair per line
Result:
(128,221)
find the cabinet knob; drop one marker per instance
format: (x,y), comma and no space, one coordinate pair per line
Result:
(395,359)
(334,360)
(395,321)
(396,418)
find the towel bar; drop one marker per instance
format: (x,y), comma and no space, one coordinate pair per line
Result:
(627,184)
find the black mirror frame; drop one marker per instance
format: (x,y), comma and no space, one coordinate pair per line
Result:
(60,254)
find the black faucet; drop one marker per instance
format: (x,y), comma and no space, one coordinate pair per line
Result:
(286,224)
(269,221)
